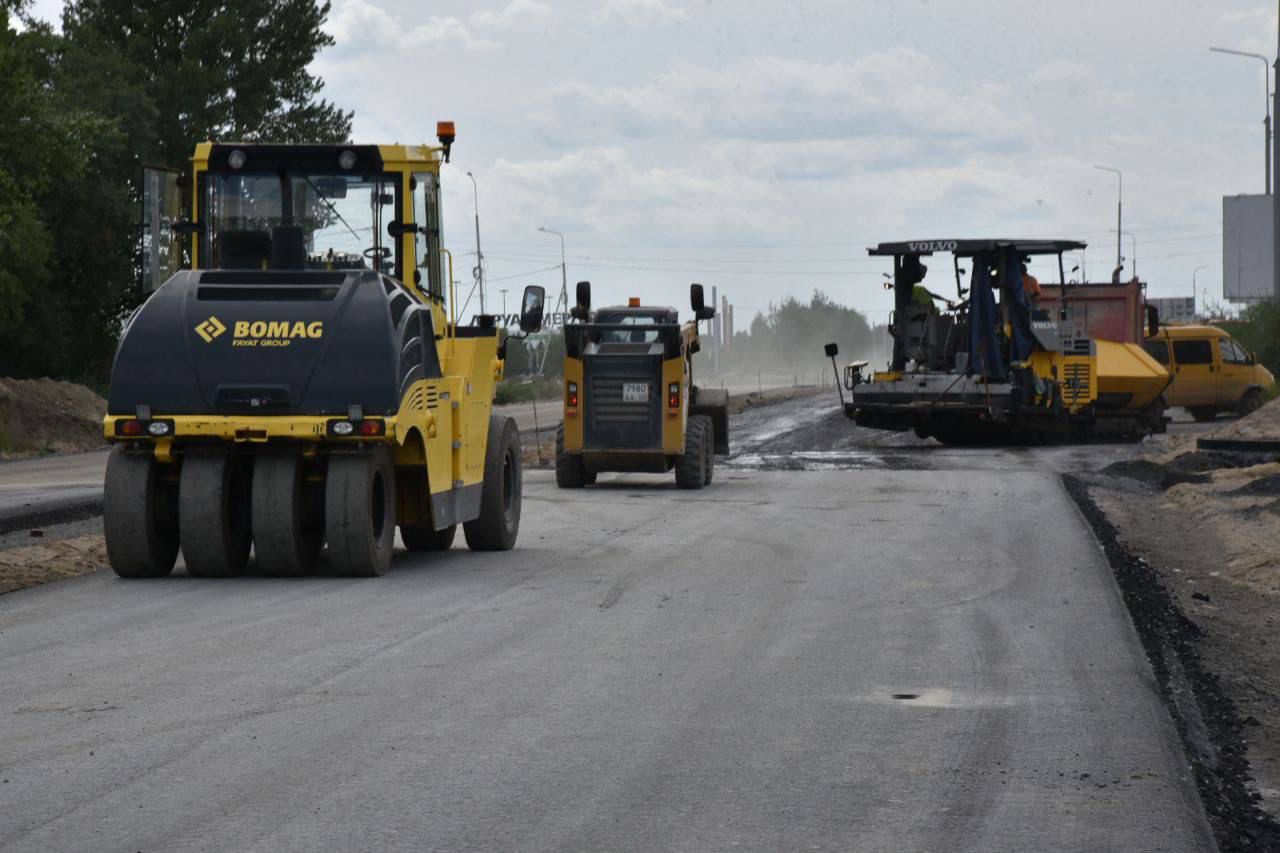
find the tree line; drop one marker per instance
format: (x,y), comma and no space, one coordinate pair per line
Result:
(789,337)
(122,85)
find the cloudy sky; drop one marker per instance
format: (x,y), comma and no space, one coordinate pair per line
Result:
(762,146)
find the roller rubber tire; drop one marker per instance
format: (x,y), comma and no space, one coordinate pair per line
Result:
(139,516)
(571,473)
(691,470)
(498,524)
(287,535)
(214,514)
(426,539)
(360,513)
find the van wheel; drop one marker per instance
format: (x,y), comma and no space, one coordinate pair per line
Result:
(499,523)
(1251,403)
(1203,413)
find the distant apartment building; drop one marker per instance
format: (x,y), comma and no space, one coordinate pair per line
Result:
(1175,309)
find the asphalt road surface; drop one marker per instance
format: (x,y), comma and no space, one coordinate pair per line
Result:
(901,657)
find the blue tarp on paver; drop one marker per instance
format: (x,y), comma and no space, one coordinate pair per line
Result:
(1019,309)
(984,349)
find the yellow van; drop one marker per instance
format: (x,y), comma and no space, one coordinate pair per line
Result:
(1211,372)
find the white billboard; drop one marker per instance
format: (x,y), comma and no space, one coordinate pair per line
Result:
(1247,259)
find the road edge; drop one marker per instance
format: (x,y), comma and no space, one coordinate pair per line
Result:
(1205,718)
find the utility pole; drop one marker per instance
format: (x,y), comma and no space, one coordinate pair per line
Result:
(1133,257)
(562,304)
(1266,123)
(478,272)
(1195,272)
(1119,215)
(504,305)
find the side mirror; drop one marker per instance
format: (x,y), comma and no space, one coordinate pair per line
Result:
(1153,321)
(831,350)
(697,300)
(583,294)
(531,308)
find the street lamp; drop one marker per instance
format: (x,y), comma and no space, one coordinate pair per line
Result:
(564,278)
(1119,213)
(478,272)
(1266,64)
(1194,273)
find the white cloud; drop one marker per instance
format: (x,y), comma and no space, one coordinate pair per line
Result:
(359,25)
(637,12)
(516,14)
(896,93)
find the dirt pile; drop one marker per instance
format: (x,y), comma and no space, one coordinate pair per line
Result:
(48,416)
(1262,425)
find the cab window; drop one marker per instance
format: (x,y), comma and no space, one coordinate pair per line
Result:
(1232,352)
(1193,352)
(426,213)
(1159,350)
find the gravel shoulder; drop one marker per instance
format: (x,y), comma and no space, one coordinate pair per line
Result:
(1207,524)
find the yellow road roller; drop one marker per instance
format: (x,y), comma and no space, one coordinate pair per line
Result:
(298,378)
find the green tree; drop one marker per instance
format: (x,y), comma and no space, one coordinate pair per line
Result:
(126,84)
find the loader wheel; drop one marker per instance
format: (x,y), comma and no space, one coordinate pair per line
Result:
(418,538)
(571,473)
(287,530)
(691,467)
(1203,413)
(708,431)
(499,522)
(714,403)
(360,513)
(214,513)
(139,516)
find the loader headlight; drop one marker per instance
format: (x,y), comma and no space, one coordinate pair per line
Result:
(236,159)
(347,160)
(159,428)
(343,428)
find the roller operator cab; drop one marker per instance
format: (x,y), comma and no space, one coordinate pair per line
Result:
(296,378)
(629,399)
(1008,359)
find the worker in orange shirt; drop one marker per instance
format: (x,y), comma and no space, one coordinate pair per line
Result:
(1030,285)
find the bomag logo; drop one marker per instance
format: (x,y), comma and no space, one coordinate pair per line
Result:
(210,329)
(274,333)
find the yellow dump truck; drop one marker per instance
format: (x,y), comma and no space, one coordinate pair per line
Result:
(998,364)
